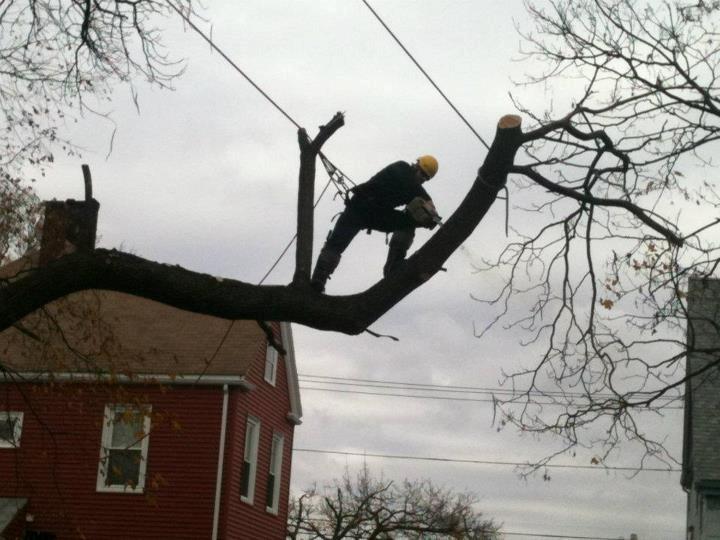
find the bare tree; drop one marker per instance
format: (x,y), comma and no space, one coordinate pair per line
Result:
(370,507)
(58,60)
(602,298)
(19,212)
(599,287)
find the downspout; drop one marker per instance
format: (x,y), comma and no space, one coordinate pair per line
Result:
(221,461)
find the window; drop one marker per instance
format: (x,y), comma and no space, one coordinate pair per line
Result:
(271,360)
(124,448)
(273,485)
(713,502)
(10,429)
(252,440)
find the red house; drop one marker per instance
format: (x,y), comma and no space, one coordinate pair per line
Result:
(121,417)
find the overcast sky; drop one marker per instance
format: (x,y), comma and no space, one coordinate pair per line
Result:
(206,177)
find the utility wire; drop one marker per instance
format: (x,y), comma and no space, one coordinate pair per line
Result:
(444,398)
(472,400)
(292,240)
(428,387)
(277,261)
(233,64)
(316,519)
(482,461)
(454,108)
(247,77)
(563,536)
(275,104)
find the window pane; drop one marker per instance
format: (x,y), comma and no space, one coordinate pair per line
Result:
(270,498)
(271,357)
(123,467)
(249,472)
(127,430)
(10,426)
(273,487)
(276,454)
(7,429)
(250,438)
(245,480)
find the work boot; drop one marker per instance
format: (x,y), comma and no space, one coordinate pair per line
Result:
(326,264)
(400,243)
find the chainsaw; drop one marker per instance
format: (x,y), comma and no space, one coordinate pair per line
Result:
(424,212)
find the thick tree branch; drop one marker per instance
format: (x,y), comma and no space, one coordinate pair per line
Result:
(230,299)
(635,210)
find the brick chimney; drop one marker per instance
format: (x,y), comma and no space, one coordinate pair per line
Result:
(69,225)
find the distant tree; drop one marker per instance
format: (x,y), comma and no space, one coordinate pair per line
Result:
(19,212)
(59,60)
(369,507)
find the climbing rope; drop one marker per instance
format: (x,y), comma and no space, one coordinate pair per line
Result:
(343,184)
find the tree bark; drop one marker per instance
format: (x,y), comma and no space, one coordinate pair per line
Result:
(306,197)
(231,299)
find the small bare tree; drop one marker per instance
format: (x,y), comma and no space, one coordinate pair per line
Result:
(370,507)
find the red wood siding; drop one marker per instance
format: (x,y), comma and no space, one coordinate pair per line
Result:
(57,463)
(270,404)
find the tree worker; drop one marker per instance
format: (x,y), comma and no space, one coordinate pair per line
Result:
(373,205)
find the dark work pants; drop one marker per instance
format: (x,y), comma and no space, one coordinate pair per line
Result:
(361,214)
(354,219)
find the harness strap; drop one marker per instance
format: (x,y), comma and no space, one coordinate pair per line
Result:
(337,177)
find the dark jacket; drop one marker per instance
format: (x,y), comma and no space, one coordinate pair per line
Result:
(393,186)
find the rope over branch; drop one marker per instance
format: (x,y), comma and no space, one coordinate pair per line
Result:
(309,150)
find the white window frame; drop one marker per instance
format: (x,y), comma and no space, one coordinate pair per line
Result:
(271,363)
(106,446)
(275,473)
(250,456)
(17,416)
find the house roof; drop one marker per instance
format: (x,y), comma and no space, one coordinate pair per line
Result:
(111,332)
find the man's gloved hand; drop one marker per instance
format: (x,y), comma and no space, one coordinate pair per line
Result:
(423,212)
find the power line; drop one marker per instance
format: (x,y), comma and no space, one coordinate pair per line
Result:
(233,64)
(429,387)
(317,519)
(396,385)
(339,391)
(292,240)
(472,400)
(482,461)
(419,386)
(454,108)
(247,77)
(563,536)
(328,164)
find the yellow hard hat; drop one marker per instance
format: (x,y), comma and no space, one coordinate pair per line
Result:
(428,165)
